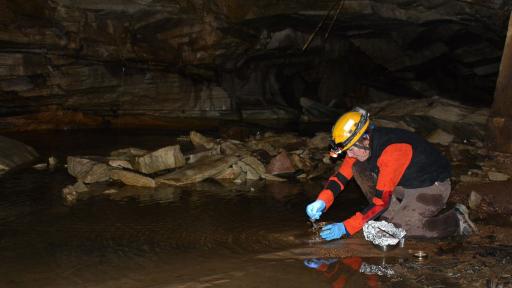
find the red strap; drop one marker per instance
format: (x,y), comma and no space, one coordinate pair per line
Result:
(345,169)
(377,201)
(326,196)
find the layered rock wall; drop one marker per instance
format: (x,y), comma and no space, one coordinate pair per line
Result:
(105,60)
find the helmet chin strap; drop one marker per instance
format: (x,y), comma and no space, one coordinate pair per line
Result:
(361,145)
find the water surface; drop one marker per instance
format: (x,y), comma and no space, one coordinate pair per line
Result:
(199,236)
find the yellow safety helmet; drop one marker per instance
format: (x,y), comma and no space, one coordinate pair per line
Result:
(349,128)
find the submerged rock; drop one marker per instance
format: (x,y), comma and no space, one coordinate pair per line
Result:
(70,193)
(14,153)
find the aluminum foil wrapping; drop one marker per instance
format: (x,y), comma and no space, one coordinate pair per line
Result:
(382,270)
(382,233)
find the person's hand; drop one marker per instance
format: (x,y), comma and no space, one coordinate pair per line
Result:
(315,209)
(333,231)
(314,263)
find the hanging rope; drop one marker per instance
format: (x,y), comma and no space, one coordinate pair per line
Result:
(319,26)
(340,6)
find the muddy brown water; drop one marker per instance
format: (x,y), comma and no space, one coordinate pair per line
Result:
(201,236)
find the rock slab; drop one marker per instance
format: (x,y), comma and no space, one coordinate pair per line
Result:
(14,153)
(198,171)
(88,170)
(161,159)
(132,178)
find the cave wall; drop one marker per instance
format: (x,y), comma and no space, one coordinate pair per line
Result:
(206,58)
(104,61)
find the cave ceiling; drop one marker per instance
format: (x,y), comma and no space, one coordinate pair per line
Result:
(206,57)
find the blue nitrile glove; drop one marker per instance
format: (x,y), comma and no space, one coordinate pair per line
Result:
(315,209)
(333,231)
(314,263)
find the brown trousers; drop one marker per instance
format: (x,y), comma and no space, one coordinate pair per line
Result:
(415,210)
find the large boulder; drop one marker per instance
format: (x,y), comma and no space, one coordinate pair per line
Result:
(14,153)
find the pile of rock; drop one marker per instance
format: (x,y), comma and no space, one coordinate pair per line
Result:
(458,130)
(268,157)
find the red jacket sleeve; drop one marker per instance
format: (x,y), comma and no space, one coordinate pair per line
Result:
(337,182)
(392,164)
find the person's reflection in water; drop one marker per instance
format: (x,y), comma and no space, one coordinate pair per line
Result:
(343,272)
